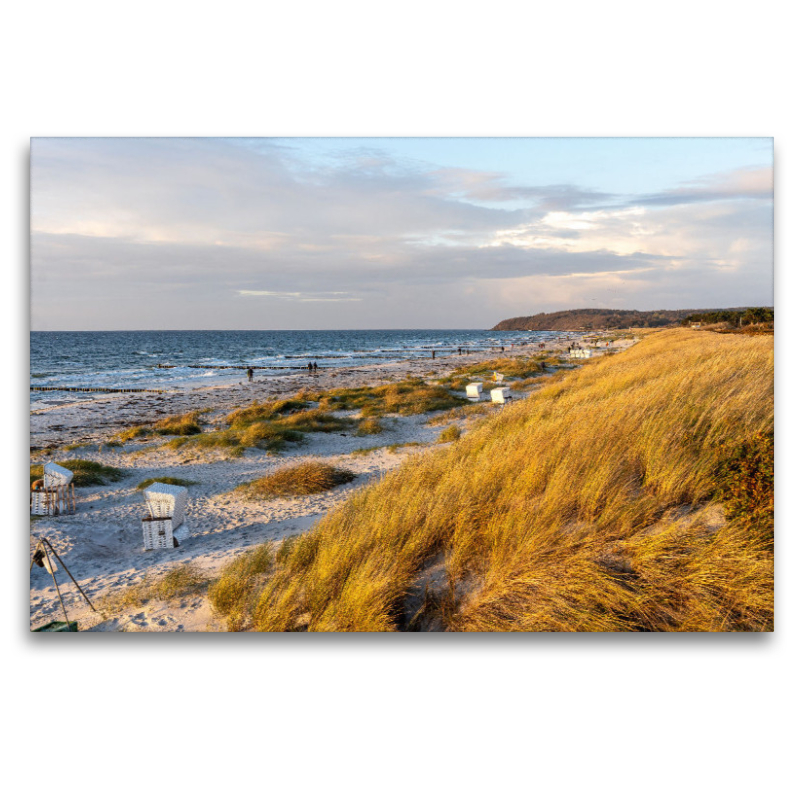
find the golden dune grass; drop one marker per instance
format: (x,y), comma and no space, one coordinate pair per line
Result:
(586,507)
(308,477)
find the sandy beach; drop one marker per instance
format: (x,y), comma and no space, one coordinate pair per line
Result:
(102,542)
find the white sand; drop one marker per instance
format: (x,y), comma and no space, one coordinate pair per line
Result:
(102,543)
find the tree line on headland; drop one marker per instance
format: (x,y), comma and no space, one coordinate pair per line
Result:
(615,319)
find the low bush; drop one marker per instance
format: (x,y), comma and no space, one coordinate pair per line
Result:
(85,473)
(747,481)
(515,367)
(262,412)
(370,427)
(167,480)
(408,397)
(179,425)
(451,434)
(267,426)
(310,477)
(129,434)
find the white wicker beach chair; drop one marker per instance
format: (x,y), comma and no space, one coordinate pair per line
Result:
(167,512)
(502,394)
(57,496)
(474,391)
(56,475)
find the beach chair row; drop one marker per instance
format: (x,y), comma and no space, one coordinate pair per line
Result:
(499,395)
(166,505)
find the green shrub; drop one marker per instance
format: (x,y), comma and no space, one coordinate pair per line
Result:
(168,480)
(747,481)
(85,473)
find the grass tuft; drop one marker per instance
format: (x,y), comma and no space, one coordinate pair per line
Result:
(310,477)
(451,434)
(370,427)
(231,593)
(179,425)
(406,398)
(167,480)
(181,580)
(85,472)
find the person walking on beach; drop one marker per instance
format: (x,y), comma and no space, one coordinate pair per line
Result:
(249,374)
(315,366)
(309,367)
(433,354)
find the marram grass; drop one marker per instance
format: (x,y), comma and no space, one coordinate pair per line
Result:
(601,503)
(308,477)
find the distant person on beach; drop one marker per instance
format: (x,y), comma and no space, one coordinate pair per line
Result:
(502,349)
(309,367)
(433,354)
(459,351)
(315,366)
(250,374)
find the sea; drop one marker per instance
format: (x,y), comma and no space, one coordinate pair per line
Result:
(168,360)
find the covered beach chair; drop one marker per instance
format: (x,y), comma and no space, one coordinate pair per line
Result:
(166,506)
(474,391)
(502,394)
(57,496)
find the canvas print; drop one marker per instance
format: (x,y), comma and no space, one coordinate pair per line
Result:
(401,385)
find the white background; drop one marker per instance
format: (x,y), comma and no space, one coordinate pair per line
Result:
(397,716)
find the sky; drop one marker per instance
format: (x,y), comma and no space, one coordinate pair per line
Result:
(268,234)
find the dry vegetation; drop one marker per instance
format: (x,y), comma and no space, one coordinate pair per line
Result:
(233,592)
(178,425)
(179,581)
(412,396)
(597,505)
(450,434)
(477,409)
(370,427)
(510,367)
(310,477)
(265,427)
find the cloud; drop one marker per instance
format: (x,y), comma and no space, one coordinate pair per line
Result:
(743,184)
(165,233)
(301,297)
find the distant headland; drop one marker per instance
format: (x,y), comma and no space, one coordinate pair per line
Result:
(606,319)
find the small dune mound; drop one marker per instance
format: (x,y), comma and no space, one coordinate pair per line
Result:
(310,477)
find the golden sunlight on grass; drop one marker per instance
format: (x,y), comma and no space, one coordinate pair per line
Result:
(618,497)
(310,477)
